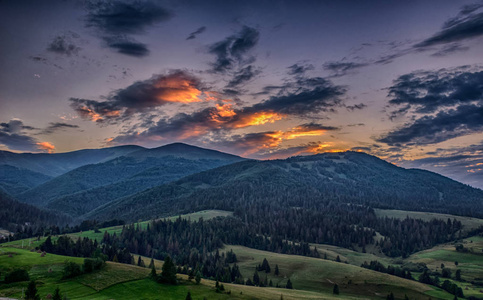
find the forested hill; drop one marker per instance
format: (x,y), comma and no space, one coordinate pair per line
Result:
(14,214)
(85,188)
(309,182)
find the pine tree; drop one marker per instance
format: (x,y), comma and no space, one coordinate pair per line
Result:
(188,297)
(277,271)
(289,284)
(406,297)
(153,274)
(151,264)
(337,258)
(256,279)
(57,295)
(390,296)
(168,273)
(198,277)
(31,293)
(335,290)
(141,262)
(265,266)
(458,275)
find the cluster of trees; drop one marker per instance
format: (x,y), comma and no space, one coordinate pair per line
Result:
(447,285)
(16,275)
(396,271)
(71,269)
(85,247)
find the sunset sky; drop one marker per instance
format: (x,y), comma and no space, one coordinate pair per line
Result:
(402,80)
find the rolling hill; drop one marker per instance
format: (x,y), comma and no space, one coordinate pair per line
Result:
(83,189)
(14,180)
(309,181)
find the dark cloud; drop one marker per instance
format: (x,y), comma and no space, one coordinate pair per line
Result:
(127,46)
(233,50)
(13,137)
(342,68)
(299,69)
(356,106)
(243,76)
(116,21)
(450,49)
(312,96)
(176,86)
(426,92)
(64,44)
(195,33)
(120,17)
(466,25)
(432,129)
(54,126)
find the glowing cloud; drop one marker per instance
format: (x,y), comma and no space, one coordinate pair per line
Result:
(46,146)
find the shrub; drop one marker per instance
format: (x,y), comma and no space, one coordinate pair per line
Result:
(16,276)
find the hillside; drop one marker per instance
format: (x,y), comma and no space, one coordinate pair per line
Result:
(83,189)
(14,180)
(14,214)
(309,181)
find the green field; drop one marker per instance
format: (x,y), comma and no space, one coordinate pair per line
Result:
(319,275)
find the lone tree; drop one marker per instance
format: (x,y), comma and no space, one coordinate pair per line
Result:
(168,273)
(265,266)
(57,295)
(277,271)
(188,297)
(198,277)
(31,293)
(289,284)
(458,275)
(151,264)
(335,290)
(153,274)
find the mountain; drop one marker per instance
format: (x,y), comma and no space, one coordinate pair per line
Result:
(14,213)
(59,163)
(85,188)
(15,180)
(308,181)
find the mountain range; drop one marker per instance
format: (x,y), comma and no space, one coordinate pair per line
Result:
(132,182)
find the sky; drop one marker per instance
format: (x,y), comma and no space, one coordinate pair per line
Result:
(402,80)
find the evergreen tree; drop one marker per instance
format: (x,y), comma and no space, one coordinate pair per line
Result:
(188,297)
(265,266)
(390,296)
(141,262)
(337,258)
(168,273)
(289,284)
(458,275)
(31,292)
(335,290)
(256,278)
(151,264)
(153,274)
(277,271)
(198,277)
(406,297)
(57,295)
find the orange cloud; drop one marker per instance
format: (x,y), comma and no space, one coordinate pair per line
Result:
(46,146)
(258,118)
(177,89)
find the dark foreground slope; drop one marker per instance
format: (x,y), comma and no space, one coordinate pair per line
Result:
(83,189)
(309,182)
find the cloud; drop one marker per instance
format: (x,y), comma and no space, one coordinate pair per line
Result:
(127,46)
(116,21)
(243,76)
(13,137)
(341,68)
(467,25)
(233,50)
(428,91)
(450,49)
(64,45)
(432,129)
(55,126)
(120,18)
(356,106)
(176,86)
(299,69)
(197,32)
(46,146)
